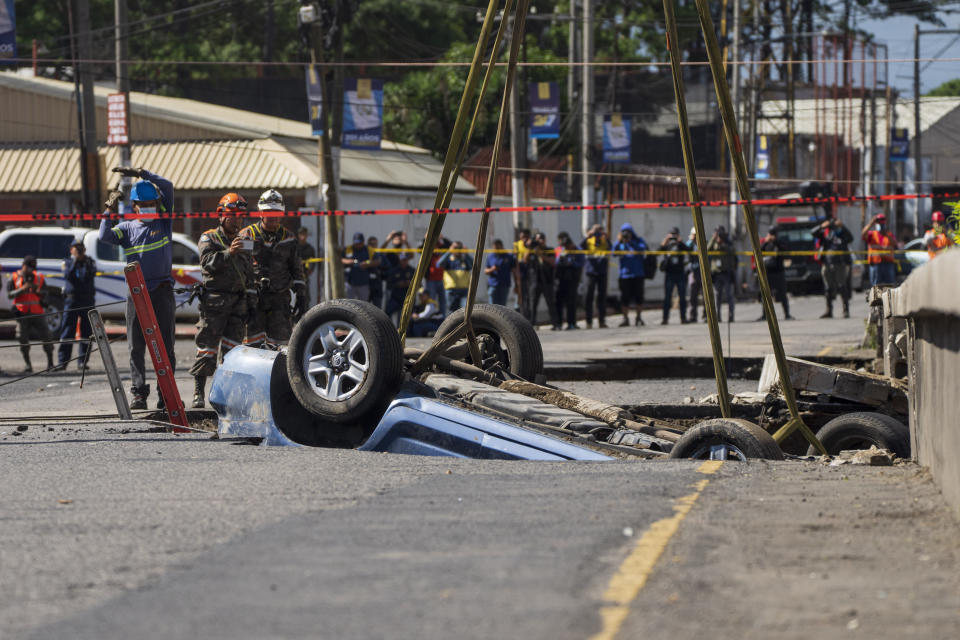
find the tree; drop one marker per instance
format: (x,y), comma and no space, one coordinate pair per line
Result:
(950,88)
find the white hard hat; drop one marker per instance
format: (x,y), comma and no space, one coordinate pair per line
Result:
(270,200)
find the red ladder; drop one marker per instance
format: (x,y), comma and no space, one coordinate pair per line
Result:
(158,351)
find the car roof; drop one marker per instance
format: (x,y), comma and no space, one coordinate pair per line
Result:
(78,232)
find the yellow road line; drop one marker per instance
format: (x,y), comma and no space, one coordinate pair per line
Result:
(824,351)
(632,575)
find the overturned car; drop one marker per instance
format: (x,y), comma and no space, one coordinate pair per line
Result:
(346,381)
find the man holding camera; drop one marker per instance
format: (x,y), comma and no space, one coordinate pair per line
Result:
(277,269)
(147,241)
(26,290)
(229,291)
(674,267)
(834,241)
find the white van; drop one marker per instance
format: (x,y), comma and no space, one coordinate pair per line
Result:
(51,246)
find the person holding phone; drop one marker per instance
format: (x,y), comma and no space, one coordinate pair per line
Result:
(229,291)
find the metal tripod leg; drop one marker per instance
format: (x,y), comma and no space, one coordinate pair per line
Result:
(106,354)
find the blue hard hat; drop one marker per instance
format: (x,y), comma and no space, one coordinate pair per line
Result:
(144,191)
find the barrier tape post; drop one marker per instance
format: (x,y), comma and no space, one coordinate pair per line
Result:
(155,345)
(109,363)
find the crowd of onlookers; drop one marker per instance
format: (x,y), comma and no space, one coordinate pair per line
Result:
(536,271)
(571,278)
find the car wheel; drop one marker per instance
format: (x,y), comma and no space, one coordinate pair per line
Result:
(726,439)
(53,308)
(860,430)
(506,338)
(344,360)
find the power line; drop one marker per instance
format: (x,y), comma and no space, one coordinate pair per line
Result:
(53,62)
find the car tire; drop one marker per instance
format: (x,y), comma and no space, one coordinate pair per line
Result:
(726,439)
(860,430)
(515,344)
(344,361)
(54,316)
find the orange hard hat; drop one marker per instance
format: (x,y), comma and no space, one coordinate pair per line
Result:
(232,202)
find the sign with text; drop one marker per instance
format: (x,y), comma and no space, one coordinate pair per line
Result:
(8,32)
(899,145)
(762,170)
(616,138)
(362,113)
(315,100)
(544,110)
(118,132)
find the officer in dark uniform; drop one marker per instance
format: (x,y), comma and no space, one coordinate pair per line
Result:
(79,277)
(228,293)
(278,269)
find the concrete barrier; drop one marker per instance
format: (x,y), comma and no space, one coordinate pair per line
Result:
(929,301)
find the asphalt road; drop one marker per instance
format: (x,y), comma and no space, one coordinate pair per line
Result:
(117,531)
(151,535)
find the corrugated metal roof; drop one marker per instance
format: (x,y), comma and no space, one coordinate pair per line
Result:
(219,165)
(219,120)
(39,169)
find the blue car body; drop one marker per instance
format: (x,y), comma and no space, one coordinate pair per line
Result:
(252,397)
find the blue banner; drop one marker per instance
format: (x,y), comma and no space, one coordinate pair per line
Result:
(616,138)
(315,100)
(899,145)
(362,113)
(762,170)
(544,109)
(8,32)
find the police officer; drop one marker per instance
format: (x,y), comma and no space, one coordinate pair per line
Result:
(26,290)
(772,248)
(79,274)
(229,291)
(277,269)
(835,239)
(147,241)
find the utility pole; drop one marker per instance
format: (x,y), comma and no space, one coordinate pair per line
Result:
(88,151)
(917,148)
(518,151)
(123,85)
(329,154)
(733,219)
(586,186)
(572,91)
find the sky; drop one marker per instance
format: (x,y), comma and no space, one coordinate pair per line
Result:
(897,34)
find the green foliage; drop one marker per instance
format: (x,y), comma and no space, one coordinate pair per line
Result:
(949,88)
(953,221)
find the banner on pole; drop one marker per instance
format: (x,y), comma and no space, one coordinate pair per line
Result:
(117,130)
(544,110)
(8,32)
(616,138)
(762,170)
(315,100)
(899,145)
(362,113)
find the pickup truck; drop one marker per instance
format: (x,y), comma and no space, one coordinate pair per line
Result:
(51,246)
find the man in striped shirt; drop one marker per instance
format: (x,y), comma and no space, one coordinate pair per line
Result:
(147,241)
